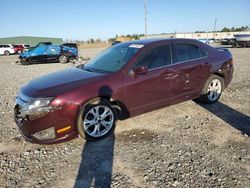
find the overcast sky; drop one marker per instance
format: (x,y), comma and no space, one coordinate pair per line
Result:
(85,19)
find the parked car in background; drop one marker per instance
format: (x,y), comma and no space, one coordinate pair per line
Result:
(18,48)
(206,41)
(211,40)
(72,45)
(48,53)
(124,80)
(6,49)
(227,41)
(26,47)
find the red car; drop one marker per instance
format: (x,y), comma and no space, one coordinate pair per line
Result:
(124,80)
(18,48)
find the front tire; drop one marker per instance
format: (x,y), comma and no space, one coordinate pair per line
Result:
(96,121)
(212,89)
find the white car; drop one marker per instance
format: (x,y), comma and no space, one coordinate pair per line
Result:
(6,49)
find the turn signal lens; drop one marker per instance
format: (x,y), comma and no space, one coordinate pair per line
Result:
(63,129)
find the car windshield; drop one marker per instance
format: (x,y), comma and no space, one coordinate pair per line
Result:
(112,59)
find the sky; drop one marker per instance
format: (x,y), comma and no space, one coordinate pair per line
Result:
(103,19)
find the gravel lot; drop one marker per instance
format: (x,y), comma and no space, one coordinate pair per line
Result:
(185,145)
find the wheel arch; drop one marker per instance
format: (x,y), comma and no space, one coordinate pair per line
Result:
(119,106)
(220,74)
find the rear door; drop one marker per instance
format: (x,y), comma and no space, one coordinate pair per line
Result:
(52,53)
(193,66)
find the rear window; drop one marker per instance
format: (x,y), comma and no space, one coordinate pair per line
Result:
(186,52)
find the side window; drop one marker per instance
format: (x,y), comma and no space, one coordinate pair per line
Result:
(185,52)
(158,57)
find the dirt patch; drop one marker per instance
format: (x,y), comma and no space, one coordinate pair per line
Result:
(136,135)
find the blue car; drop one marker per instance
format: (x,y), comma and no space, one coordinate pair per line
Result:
(48,53)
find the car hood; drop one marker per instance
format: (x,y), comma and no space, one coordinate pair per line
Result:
(27,54)
(57,83)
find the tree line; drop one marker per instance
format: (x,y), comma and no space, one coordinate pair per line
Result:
(227,29)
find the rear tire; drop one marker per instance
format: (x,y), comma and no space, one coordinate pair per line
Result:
(212,89)
(63,59)
(6,52)
(96,121)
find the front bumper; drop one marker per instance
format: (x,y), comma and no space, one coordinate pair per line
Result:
(58,119)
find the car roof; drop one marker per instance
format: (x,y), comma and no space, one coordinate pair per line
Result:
(156,40)
(46,46)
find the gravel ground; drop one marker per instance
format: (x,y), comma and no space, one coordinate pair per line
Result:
(185,145)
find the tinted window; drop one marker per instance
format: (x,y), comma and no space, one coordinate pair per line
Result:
(185,52)
(159,57)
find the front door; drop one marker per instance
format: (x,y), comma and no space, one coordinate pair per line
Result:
(38,54)
(142,93)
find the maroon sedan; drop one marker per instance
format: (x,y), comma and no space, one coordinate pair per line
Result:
(124,80)
(18,48)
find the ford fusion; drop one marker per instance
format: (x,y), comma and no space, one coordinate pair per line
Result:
(124,80)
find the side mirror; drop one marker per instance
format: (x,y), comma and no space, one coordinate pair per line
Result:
(141,70)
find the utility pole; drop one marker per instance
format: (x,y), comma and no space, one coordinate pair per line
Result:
(215,22)
(145,18)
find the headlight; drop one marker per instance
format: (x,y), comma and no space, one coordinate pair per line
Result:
(38,104)
(36,108)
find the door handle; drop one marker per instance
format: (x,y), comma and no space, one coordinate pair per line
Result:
(170,73)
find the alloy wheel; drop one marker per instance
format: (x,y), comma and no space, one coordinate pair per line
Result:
(214,89)
(98,121)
